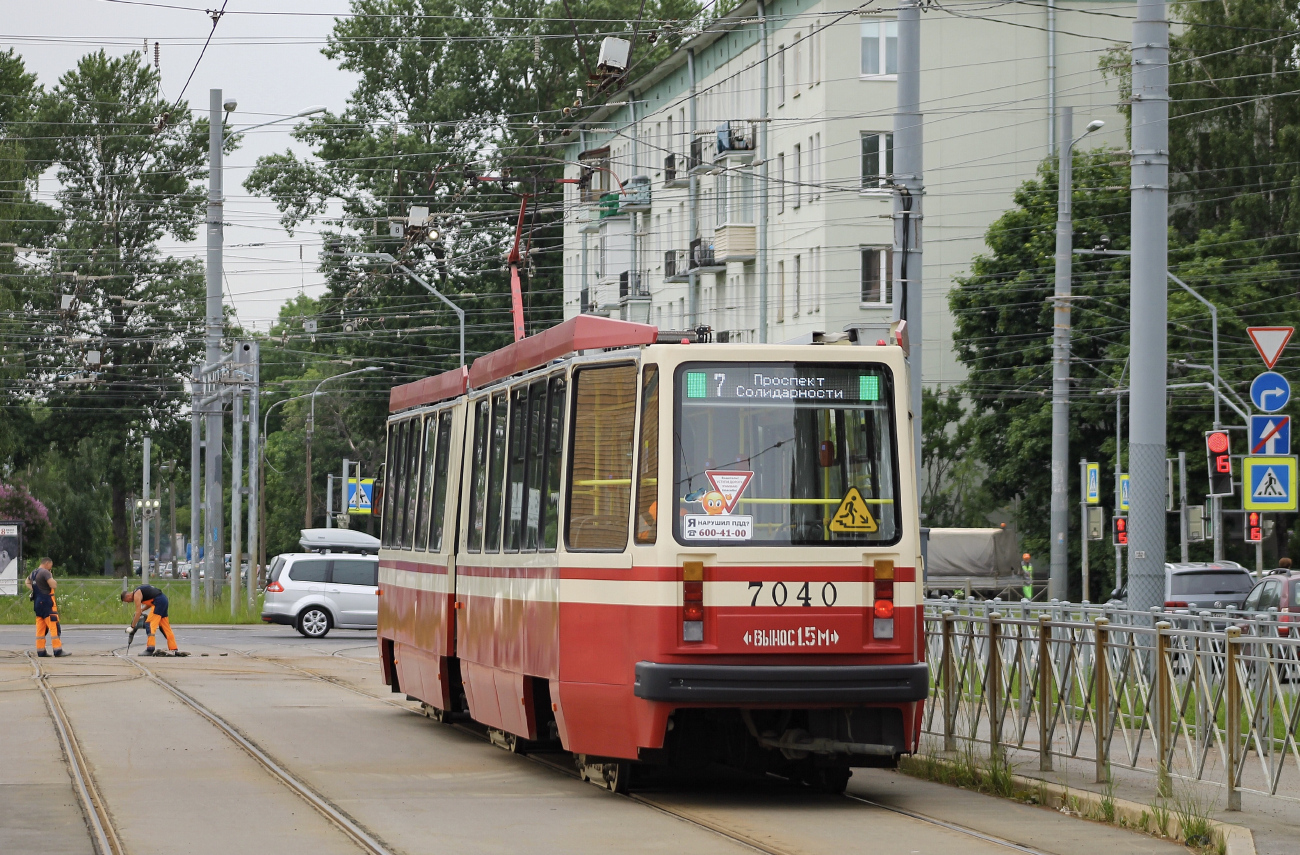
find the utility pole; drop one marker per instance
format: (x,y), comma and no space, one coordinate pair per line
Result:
(196,527)
(347,465)
(908,193)
(1182,506)
(171,511)
(329,500)
(1086,576)
(144,516)
(1058,581)
(214,513)
(306,517)
(1149,304)
(693,227)
(763,173)
(236,499)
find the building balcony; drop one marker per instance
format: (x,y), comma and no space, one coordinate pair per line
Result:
(735,242)
(703,259)
(737,139)
(675,265)
(674,176)
(636,195)
(633,285)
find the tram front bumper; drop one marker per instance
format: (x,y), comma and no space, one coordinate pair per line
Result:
(782,684)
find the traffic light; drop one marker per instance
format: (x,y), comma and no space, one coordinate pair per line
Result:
(1254,527)
(1121,531)
(1218,451)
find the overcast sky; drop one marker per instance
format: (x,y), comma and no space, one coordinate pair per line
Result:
(271,64)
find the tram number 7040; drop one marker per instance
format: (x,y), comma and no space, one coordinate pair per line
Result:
(779,593)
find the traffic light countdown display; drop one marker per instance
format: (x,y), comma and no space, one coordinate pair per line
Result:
(1218,451)
(1254,527)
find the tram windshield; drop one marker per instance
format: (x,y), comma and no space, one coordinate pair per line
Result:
(785,454)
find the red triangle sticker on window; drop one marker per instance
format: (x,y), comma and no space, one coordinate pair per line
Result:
(730,483)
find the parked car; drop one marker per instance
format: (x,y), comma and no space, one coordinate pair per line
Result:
(1200,585)
(1280,590)
(335,586)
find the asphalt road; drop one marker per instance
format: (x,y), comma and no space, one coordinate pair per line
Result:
(173,782)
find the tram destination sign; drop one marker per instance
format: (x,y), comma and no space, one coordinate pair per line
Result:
(783,382)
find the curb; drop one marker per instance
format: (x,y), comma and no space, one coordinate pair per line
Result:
(1134,816)
(1128,814)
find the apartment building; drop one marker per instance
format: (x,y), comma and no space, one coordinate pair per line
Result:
(684,214)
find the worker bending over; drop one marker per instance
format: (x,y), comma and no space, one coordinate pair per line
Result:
(42,585)
(152,600)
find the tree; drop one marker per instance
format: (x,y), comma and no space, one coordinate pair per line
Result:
(110,366)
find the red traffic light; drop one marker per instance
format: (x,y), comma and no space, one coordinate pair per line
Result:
(1254,527)
(1217,441)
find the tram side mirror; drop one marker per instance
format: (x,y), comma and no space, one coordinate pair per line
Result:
(826,453)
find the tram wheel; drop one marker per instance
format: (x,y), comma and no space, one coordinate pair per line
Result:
(615,777)
(503,739)
(434,713)
(830,779)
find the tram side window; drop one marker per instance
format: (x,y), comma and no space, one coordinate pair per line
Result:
(536,462)
(426,482)
(386,514)
(550,524)
(478,474)
(443,475)
(515,477)
(647,485)
(496,474)
(411,474)
(397,478)
(600,467)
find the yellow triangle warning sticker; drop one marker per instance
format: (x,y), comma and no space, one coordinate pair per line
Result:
(853,515)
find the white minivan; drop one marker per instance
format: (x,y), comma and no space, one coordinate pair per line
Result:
(335,585)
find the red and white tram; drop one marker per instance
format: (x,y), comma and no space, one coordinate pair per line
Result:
(667,553)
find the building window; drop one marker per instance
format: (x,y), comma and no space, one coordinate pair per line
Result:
(798,285)
(735,198)
(877,275)
(780,291)
(780,183)
(877,159)
(780,75)
(815,167)
(879,48)
(796,184)
(815,279)
(796,68)
(815,54)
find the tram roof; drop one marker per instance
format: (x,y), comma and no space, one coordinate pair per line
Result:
(581,332)
(430,390)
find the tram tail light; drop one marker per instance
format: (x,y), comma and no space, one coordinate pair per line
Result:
(693,601)
(882,626)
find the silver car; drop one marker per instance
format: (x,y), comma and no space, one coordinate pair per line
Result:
(315,592)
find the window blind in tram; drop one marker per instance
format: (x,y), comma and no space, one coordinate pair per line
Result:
(600,468)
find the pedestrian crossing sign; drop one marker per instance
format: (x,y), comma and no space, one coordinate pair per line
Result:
(1270,483)
(1092,489)
(361,501)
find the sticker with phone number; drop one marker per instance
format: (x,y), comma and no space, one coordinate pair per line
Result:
(717,527)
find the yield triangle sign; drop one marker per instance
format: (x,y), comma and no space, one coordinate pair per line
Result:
(730,483)
(1270,341)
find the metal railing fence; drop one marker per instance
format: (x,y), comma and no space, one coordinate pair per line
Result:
(1211,697)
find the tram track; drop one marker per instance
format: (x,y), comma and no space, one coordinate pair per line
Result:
(555,764)
(98,819)
(350,827)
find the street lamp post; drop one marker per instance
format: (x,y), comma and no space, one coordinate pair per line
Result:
(311,426)
(1057,586)
(460,313)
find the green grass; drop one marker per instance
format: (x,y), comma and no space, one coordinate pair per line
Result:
(92,601)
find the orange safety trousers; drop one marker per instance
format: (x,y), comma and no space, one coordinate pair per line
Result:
(51,625)
(154,623)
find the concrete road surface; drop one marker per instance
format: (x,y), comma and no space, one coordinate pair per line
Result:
(173,782)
